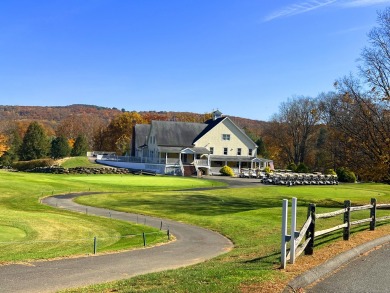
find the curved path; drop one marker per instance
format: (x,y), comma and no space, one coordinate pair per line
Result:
(192,245)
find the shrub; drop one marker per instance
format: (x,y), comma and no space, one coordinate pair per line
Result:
(226,171)
(267,170)
(330,172)
(292,167)
(345,175)
(29,165)
(302,168)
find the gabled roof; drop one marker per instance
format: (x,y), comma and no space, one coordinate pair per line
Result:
(172,133)
(210,124)
(141,134)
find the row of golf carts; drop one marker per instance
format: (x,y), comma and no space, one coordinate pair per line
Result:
(289,178)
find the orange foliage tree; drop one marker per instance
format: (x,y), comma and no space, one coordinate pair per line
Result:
(117,135)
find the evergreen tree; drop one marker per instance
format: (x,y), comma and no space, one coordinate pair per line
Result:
(80,146)
(60,147)
(261,149)
(35,143)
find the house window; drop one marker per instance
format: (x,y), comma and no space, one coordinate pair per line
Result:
(225,151)
(211,150)
(250,152)
(225,136)
(239,152)
(198,156)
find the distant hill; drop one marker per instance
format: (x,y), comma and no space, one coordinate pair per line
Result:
(52,115)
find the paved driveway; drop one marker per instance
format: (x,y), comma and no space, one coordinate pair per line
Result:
(368,273)
(193,245)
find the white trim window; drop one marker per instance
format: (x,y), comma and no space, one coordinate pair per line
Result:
(239,152)
(225,136)
(225,151)
(250,152)
(211,150)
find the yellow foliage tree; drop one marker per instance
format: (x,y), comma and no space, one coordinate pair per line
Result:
(3,144)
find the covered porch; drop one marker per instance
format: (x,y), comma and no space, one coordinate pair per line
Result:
(238,163)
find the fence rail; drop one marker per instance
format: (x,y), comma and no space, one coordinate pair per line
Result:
(308,229)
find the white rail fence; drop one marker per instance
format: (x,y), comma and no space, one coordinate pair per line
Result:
(308,229)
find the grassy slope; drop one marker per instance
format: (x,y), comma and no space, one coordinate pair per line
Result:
(250,217)
(78,162)
(23,218)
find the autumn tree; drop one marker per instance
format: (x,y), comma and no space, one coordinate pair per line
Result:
(293,128)
(81,124)
(117,136)
(363,127)
(35,143)
(375,58)
(358,113)
(3,144)
(13,144)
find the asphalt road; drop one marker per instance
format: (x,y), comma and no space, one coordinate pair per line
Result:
(193,245)
(369,273)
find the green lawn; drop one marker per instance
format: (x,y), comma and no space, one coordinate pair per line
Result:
(251,217)
(30,230)
(79,162)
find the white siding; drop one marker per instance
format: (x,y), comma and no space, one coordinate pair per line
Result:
(214,138)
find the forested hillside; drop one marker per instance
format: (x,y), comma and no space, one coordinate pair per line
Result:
(107,129)
(52,116)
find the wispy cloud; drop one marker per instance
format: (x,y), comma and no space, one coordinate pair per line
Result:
(360,3)
(298,8)
(352,29)
(306,6)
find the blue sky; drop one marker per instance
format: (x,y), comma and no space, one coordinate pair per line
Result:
(243,57)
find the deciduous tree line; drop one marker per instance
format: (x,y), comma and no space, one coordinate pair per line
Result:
(349,127)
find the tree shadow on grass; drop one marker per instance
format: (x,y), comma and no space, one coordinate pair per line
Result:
(205,205)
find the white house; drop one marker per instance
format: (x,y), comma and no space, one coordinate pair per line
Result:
(185,148)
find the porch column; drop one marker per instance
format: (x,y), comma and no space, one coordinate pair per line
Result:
(239,167)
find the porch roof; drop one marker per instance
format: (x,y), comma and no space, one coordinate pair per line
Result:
(237,159)
(169,149)
(183,150)
(195,150)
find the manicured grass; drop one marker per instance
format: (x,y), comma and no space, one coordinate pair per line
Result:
(74,162)
(250,217)
(30,230)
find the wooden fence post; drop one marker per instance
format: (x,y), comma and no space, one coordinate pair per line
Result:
(311,211)
(373,214)
(284,233)
(347,219)
(293,229)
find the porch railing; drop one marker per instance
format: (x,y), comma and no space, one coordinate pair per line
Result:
(201,163)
